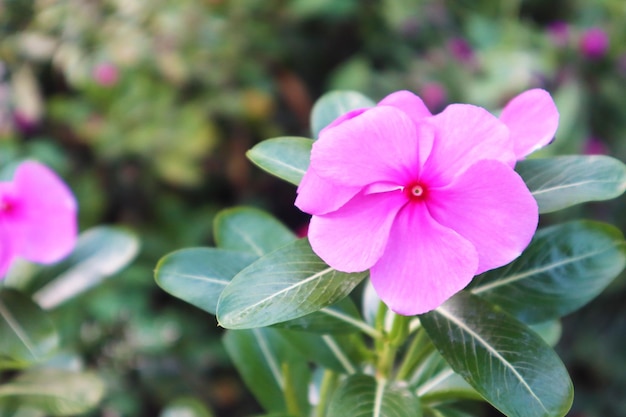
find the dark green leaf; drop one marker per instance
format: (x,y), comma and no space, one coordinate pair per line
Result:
(285,157)
(364,396)
(564,181)
(198,275)
(342,317)
(268,365)
(288,283)
(26,333)
(436,381)
(54,391)
(334,104)
(505,361)
(251,230)
(100,252)
(563,268)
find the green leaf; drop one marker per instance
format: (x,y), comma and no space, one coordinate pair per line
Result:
(284,157)
(251,230)
(437,382)
(342,317)
(288,283)
(505,361)
(364,396)
(564,267)
(186,407)
(339,353)
(54,391)
(334,104)
(198,275)
(26,333)
(564,181)
(100,252)
(549,331)
(270,368)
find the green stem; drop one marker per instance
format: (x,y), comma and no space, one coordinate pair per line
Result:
(327,387)
(291,400)
(419,348)
(389,346)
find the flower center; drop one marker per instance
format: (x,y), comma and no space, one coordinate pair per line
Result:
(415,191)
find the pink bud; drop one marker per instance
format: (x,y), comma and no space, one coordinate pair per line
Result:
(105,74)
(594,43)
(559,33)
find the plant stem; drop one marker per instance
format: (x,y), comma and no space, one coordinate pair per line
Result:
(389,346)
(327,387)
(419,348)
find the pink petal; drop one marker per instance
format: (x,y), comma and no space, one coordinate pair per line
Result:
(43,222)
(381,145)
(490,206)
(353,238)
(317,195)
(465,134)
(424,263)
(409,103)
(532,118)
(347,116)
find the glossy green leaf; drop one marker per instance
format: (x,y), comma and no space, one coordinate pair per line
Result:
(54,391)
(248,229)
(334,104)
(284,157)
(26,333)
(505,361)
(198,275)
(100,252)
(339,353)
(564,267)
(365,396)
(549,331)
(288,283)
(270,367)
(563,181)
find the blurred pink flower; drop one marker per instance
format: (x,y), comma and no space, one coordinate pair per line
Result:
(434,95)
(37,217)
(424,202)
(461,50)
(594,146)
(594,43)
(106,74)
(559,33)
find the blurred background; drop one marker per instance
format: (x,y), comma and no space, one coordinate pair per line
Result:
(146,108)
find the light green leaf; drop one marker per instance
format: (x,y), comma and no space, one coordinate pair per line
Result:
(26,333)
(100,252)
(437,382)
(334,104)
(364,396)
(564,267)
(288,283)
(549,331)
(251,230)
(563,181)
(270,367)
(186,407)
(505,361)
(198,275)
(284,157)
(54,391)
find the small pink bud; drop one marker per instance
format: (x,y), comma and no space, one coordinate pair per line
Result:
(434,95)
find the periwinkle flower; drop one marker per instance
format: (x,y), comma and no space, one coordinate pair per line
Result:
(37,217)
(425,202)
(106,74)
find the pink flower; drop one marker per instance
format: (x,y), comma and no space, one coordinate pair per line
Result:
(424,202)
(434,95)
(37,217)
(594,43)
(106,74)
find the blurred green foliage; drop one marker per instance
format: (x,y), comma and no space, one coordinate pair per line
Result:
(147,109)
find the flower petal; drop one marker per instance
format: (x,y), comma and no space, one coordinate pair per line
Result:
(44,219)
(353,238)
(465,134)
(424,263)
(409,103)
(317,195)
(532,118)
(490,206)
(380,145)
(346,116)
